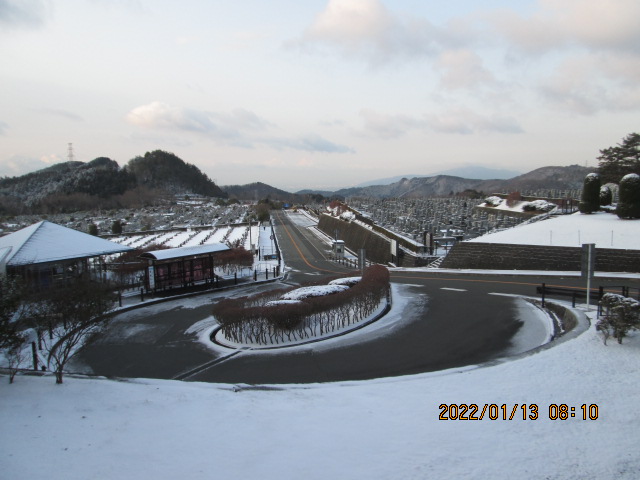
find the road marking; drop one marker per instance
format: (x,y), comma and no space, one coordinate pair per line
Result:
(453,289)
(304,259)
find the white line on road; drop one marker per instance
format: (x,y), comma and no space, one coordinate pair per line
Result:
(453,289)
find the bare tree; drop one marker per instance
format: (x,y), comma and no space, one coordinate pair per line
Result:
(72,314)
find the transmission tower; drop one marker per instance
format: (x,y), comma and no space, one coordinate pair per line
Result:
(70,152)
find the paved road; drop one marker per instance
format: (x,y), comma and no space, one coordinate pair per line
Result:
(438,321)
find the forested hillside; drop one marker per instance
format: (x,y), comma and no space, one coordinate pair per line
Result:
(102,183)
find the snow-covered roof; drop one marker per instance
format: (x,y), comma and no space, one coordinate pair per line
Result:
(171,253)
(45,242)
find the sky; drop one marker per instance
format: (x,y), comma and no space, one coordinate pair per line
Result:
(318,94)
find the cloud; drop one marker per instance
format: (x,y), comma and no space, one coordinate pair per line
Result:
(367,28)
(589,84)
(60,113)
(3,127)
(466,122)
(308,143)
(21,13)
(240,128)
(233,128)
(591,24)
(463,69)
(459,121)
(17,165)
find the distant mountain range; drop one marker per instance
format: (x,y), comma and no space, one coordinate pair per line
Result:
(102,183)
(476,172)
(551,178)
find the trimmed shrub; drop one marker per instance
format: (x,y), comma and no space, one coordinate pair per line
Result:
(629,202)
(606,195)
(590,201)
(266,320)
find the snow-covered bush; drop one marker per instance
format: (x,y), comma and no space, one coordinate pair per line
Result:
(606,195)
(493,201)
(629,202)
(622,315)
(590,201)
(538,206)
(348,216)
(348,281)
(314,291)
(303,313)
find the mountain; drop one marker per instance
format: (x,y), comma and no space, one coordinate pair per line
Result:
(480,172)
(259,191)
(165,171)
(476,172)
(550,178)
(101,183)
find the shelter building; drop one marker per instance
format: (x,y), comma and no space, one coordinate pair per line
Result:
(45,254)
(181,267)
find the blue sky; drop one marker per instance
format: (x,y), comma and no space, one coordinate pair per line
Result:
(318,94)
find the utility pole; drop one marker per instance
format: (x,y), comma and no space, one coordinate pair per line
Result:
(70,156)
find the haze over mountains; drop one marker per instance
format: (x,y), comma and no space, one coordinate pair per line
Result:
(102,183)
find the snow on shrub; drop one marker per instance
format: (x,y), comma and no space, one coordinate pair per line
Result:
(493,201)
(302,313)
(629,202)
(622,315)
(348,281)
(538,206)
(275,303)
(348,216)
(313,291)
(590,200)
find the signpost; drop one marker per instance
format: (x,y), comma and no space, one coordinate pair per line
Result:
(588,266)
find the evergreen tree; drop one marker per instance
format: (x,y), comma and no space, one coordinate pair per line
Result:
(116,227)
(629,202)
(590,201)
(624,158)
(606,195)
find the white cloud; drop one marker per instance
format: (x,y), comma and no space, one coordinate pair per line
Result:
(591,24)
(590,83)
(3,127)
(17,165)
(367,28)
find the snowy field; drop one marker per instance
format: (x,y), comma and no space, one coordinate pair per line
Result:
(604,229)
(380,429)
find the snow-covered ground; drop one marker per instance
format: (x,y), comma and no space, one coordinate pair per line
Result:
(606,230)
(377,429)
(381,429)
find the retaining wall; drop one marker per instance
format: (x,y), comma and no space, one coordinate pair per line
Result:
(499,256)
